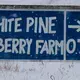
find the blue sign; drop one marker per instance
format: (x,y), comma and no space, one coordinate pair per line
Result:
(32,35)
(73,35)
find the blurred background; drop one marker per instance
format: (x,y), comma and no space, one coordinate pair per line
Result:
(39,70)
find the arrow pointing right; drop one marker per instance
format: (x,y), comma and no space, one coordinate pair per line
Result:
(75,26)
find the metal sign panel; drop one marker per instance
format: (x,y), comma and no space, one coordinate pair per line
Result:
(73,35)
(31,34)
(40,32)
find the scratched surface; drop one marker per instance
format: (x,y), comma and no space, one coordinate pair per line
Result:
(40,2)
(19,70)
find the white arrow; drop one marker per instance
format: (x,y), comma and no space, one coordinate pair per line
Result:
(75,26)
